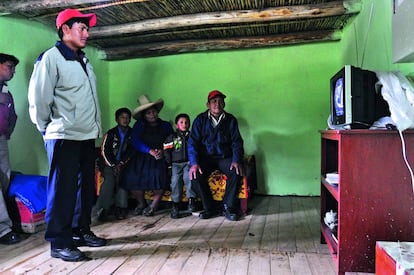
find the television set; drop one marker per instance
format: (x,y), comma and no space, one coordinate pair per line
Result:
(355,101)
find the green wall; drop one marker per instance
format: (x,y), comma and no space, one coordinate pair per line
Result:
(367,40)
(280,95)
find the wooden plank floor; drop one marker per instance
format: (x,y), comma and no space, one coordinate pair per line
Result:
(280,236)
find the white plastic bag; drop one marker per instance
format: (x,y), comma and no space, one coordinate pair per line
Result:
(398,91)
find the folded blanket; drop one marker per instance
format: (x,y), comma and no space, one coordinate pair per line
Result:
(31,190)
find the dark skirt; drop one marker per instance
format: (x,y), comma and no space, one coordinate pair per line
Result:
(143,172)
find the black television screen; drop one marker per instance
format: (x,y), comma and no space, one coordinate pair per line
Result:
(355,103)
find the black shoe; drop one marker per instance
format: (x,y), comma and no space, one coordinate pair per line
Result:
(68,254)
(230,214)
(87,238)
(148,212)
(207,214)
(17,229)
(125,212)
(102,215)
(175,213)
(10,238)
(121,213)
(192,207)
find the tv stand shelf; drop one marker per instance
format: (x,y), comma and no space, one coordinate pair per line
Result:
(374,198)
(331,188)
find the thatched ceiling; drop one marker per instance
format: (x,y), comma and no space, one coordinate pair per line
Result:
(142,28)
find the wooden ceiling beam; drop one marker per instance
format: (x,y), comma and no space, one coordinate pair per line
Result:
(15,6)
(134,37)
(35,8)
(178,47)
(234,17)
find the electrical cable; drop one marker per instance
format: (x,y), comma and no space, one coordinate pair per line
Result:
(405,158)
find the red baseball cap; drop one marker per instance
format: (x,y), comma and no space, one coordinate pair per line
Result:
(215,93)
(67,14)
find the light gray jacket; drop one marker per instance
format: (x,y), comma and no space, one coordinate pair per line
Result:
(63,101)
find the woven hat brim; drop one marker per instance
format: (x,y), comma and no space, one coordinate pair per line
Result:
(137,111)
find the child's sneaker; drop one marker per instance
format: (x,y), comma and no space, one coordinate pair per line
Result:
(192,207)
(175,213)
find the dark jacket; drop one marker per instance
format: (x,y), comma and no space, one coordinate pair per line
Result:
(111,145)
(223,141)
(8,115)
(176,147)
(142,143)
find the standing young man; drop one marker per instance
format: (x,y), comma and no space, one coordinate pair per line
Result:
(8,119)
(215,143)
(63,104)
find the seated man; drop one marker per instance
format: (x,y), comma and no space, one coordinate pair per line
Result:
(215,143)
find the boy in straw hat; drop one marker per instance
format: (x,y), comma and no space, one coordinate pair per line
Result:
(147,170)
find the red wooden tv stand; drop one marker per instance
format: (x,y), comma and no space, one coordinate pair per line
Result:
(374,197)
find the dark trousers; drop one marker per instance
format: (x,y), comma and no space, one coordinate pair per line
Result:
(208,165)
(70,189)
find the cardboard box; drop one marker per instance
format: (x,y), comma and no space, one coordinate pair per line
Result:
(31,222)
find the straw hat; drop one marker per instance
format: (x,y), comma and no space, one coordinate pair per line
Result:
(146,103)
